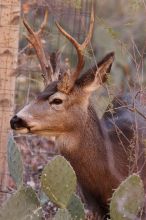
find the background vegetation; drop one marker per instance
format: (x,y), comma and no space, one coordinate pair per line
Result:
(119,26)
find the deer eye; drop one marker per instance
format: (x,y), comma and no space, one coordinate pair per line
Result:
(56,101)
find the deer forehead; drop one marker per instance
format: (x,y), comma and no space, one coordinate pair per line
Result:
(51,92)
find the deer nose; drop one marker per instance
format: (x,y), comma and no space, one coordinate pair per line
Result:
(17,123)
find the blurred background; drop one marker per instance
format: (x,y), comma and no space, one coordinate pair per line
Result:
(120,26)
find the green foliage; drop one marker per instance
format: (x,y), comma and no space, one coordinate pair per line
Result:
(128,199)
(74,3)
(15,162)
(59,181)
(22,205)
(76,208)
(62,214)
(43,198)
(135,5)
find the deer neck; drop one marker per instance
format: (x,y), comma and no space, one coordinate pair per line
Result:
(85,150)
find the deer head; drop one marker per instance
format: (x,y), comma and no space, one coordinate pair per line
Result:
(65,99)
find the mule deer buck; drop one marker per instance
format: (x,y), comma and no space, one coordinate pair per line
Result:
(98,153)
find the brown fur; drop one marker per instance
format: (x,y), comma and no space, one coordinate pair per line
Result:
(98,153)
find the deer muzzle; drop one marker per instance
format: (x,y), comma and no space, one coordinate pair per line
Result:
(19,124)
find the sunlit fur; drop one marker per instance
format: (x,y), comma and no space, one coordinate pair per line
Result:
(93,147)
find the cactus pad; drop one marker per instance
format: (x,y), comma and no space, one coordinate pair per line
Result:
(128,199)
(15,162)
(62,214)
(59,181)
(76,208)
(22,205)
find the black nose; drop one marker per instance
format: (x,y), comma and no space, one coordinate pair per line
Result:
(17,123)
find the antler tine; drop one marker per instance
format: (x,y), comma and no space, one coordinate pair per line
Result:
(35,40)
(79,47)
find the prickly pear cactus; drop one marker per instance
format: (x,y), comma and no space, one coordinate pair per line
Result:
(76,208)
(59,181)
(22,205)
(128,199)
(62,214)
(43,198)
(15,162)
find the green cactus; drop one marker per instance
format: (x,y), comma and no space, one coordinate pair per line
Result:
(24,204)
(76,208)
(62,214)
(128,199)
(15,162)
(43,198)
(59,181)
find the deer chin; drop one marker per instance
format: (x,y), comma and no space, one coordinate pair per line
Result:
(43,132)
(22,130)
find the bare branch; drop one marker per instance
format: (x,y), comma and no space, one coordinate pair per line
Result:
(43,25)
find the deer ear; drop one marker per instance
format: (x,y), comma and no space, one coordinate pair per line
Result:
(96,75)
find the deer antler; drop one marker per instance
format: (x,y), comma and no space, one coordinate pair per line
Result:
(68,81)
(35,40)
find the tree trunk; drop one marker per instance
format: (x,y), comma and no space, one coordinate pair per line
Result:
(9,38)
